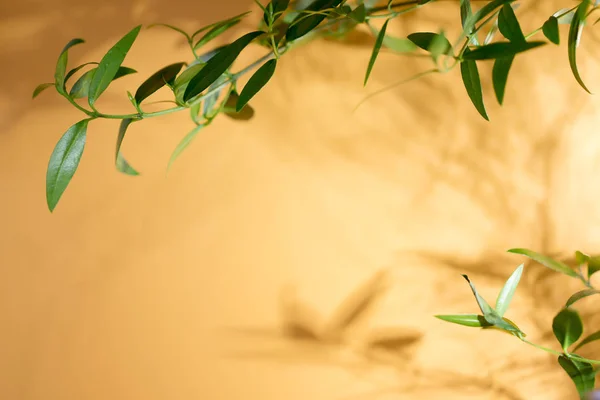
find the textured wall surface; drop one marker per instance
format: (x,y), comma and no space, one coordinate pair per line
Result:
(177,287)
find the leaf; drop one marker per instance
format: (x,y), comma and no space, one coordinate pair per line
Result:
(550,29)
(548,262)
(159,79)
(217,65)
(499,50)
(109,65)
(376,49)
(581,373)
(184,144)
(398,44)
(575,31)
(593,266)
(81,86)
(581,295)
(470,77)
(40,88)
(258,80)
(492,32)
(183,80)
(581,258)
(229,108)
(359,14)
(276,7)
(590,338)
(472,320)
(425,40)
(486,309)
(210,100)
(500,76)
(74,70)
(120,162)
(61,65)
(564,16)
(466,12)
(216,31)
(189,39)
(567,327)
(509,26)
(303,24)
(508,290)
(483,12)
(64,162)
(204,28)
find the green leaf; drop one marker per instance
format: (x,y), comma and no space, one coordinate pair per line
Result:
(425,40)
(109,65)
(575,31)
(581,258)
(359,14)
(120,162)
(399,45)
(276,9)
(567,327)
(184,144)
(217,65)
(81,86)
(466,12)
(204,28)
(472,320)
(590,338)
(439,45)
(376,49)
(256,83)
(593,266)
(509,25)
(581,295)
(508,291)
(159,79)
(492,32)
(229,108)
(548,262)
(189,39)
(74,70)
(485,308)
(550,29)
(61,65)
(303,23)
(64,162)
(216,31)
(210,100)
(40,88)
(500,76)
(483,12)
(581,373)
(182,81)
(499,50)
(470,77)
(564,16)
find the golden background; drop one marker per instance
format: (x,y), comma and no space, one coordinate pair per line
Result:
(177,287)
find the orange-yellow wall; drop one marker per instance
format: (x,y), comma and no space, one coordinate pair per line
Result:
(175,287)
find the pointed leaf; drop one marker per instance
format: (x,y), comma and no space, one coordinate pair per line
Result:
(303,24)
(590,338)
(500,76)
(277,7)
(76,69)
(184,144)
(581,258)
(81,86)
(109,65)
(173,28)
(492,32)
(439,45)
(499,50)
(472,320)
(124,167)
(466,12)
(581,295)
(359,14)
(508,291)
(575,30)
(470,77)
(159,79)
(425,40)
(182,81)
(210,100)
(376,49)
(399,45)
(216,31)
(120,162)
(229,108)
(564,16)
(486,309)
(567,327)
(550,29)
(234,18)
(61,65)
(581,373)
(546,261)
(256,83)
(40,88)
(64,162)
(217,65)
(593,266)
(483,12)
(509,25)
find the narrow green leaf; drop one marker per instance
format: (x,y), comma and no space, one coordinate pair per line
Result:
(550,29)
(546,261)
(588,339)
(567,327)
(204,28)
(61,65)
(425,40)
(492,32)
(258,80)
(40,88)
(575,31)
(499,50)
(159,79)
(73,71)
(399,45)
(483,12)
(508,291)
(581,258)
(215,32)
(217,65)
(210,101)
(470,77)
(229,108)
(185,142)
(81,86)
(439,45)
(500,76)
(581,373)
(466,12)
(277,7)
(376,49)
(593,266)
(173,28)
(303,24)
(359,14)
(120,162)
(509,25)
(472,320)
(581,295)
(64,162)
(182,81)
(488,312)
(564,16)
(109,65)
